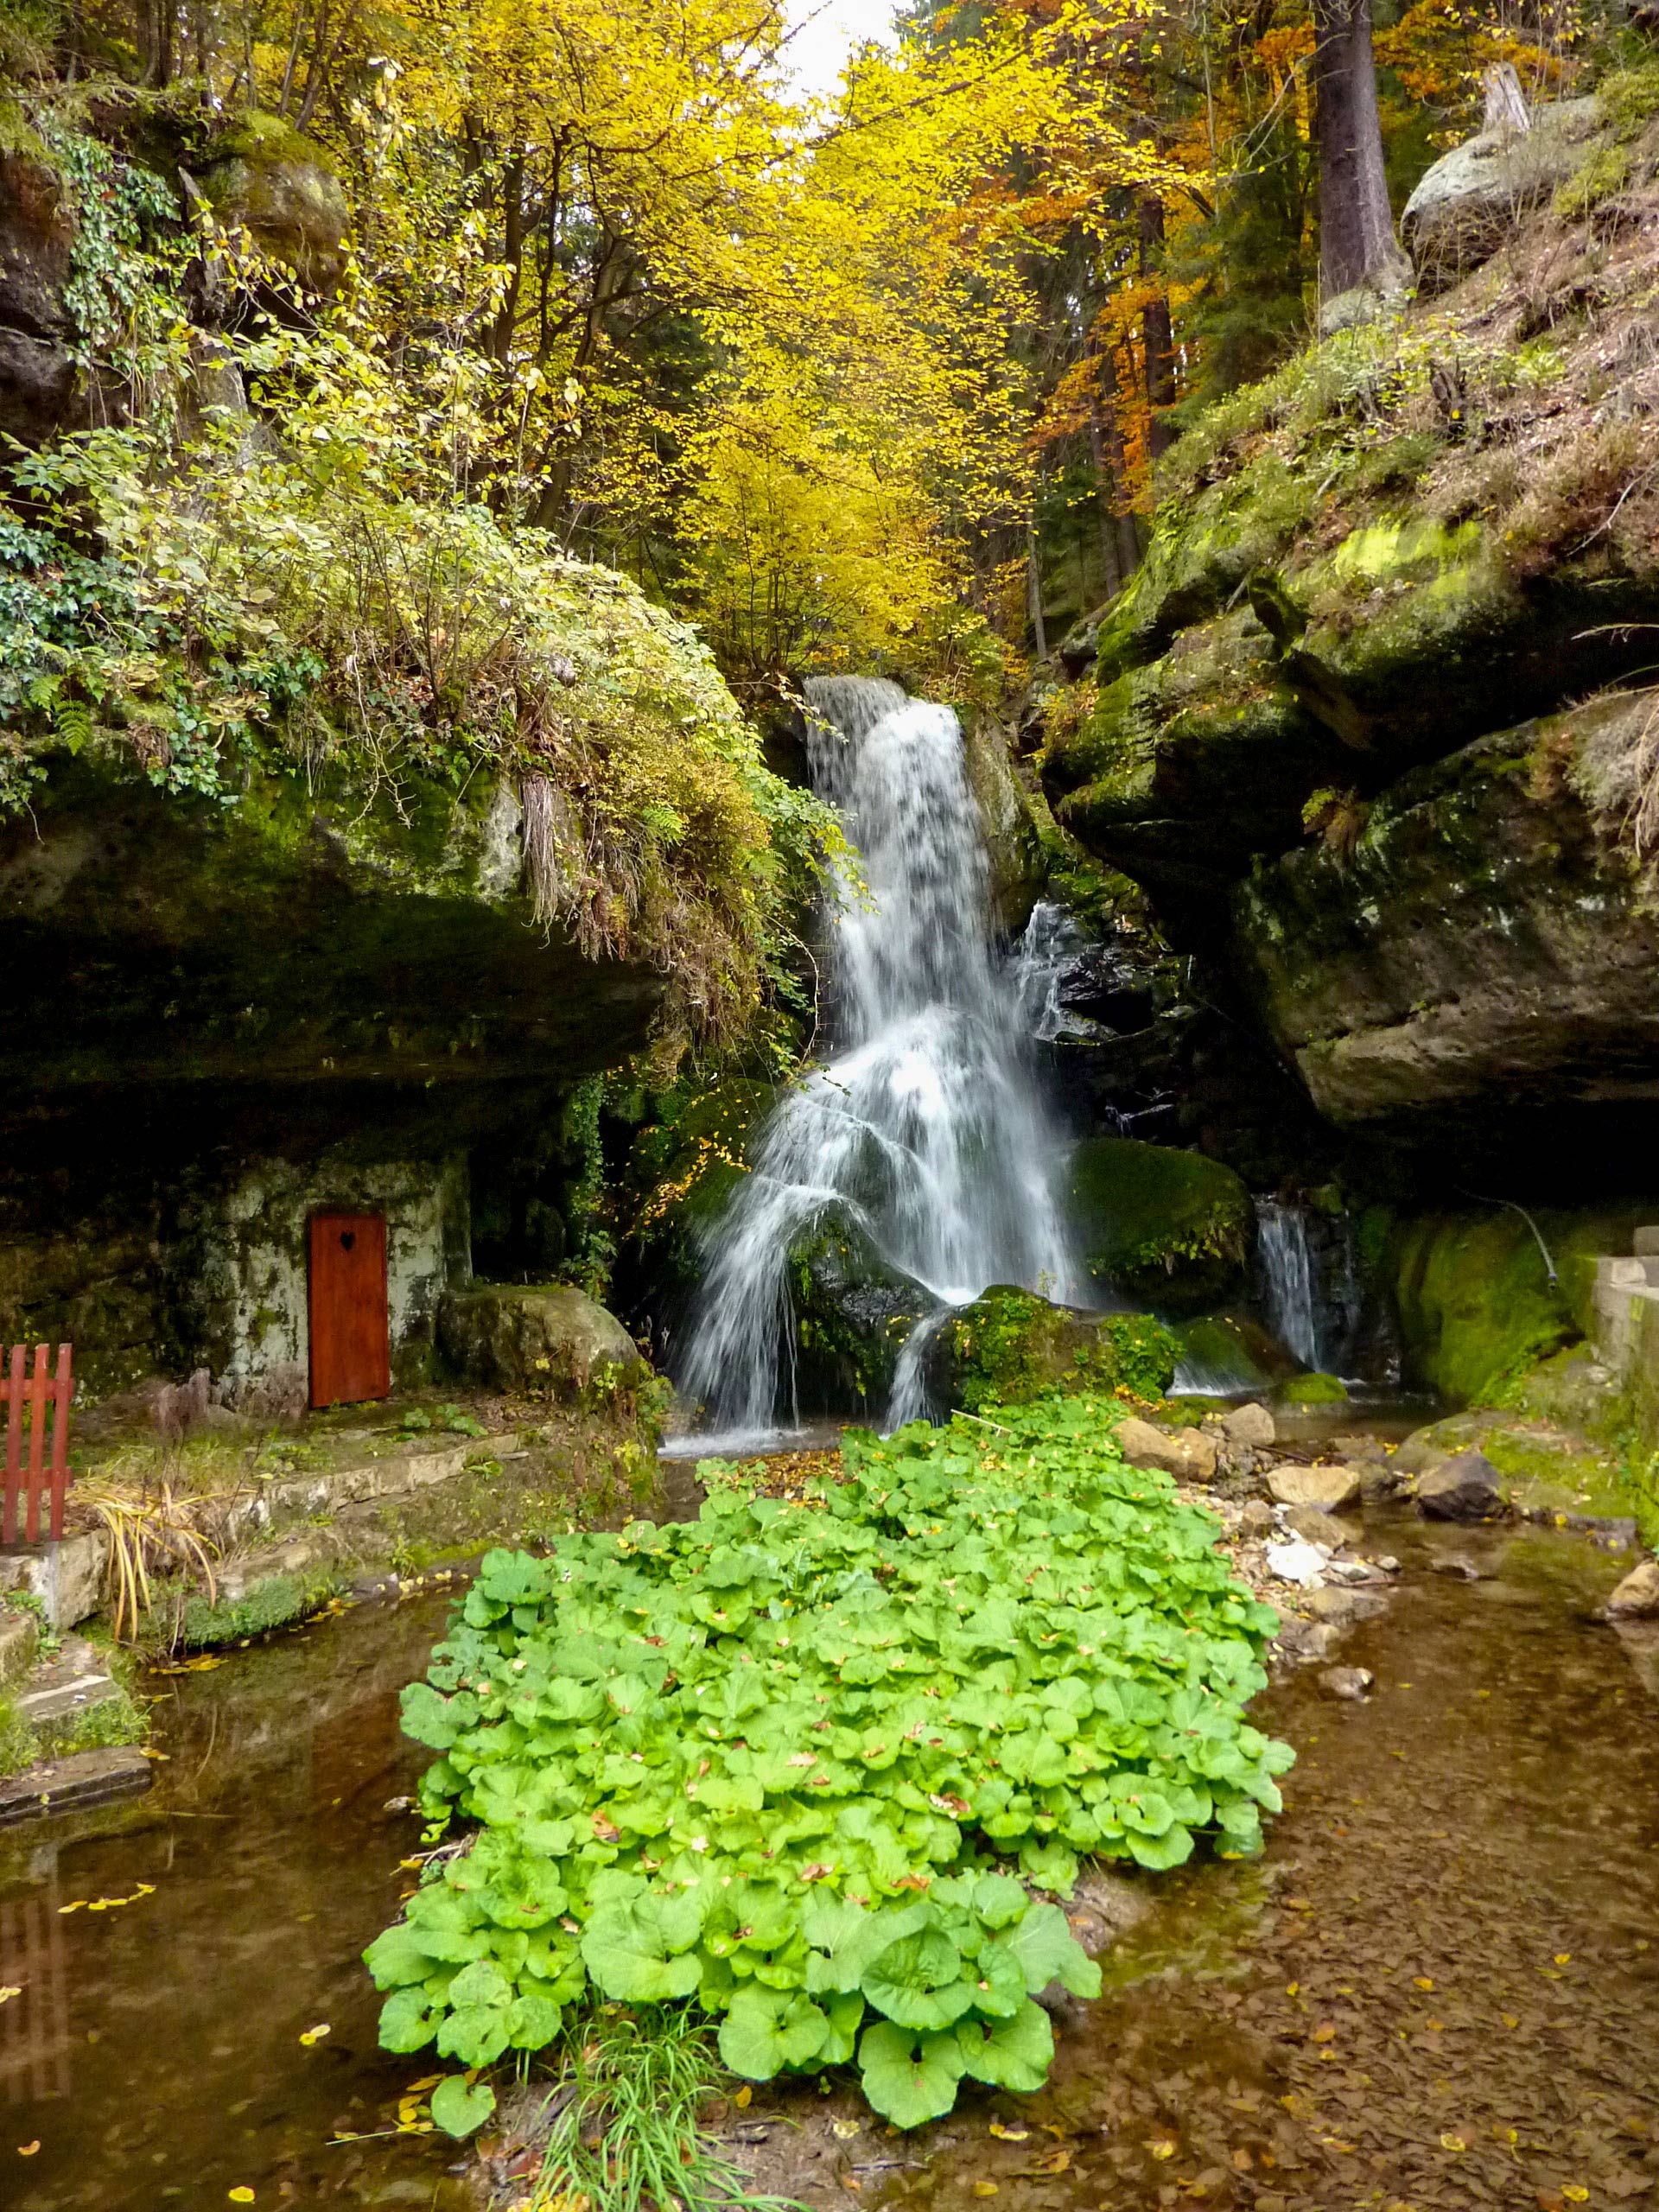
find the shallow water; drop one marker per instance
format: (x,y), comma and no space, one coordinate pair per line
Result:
(154,2053)
(1440,1987)
(1454,1940)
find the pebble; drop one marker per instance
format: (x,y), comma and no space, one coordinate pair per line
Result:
(1353,1683)
(1637,1596)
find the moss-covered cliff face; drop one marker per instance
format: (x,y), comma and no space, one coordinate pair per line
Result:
(1333,727)
(1488,938)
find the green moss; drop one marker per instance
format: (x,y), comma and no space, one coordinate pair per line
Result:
(116,1719)
(1473,1296)
(1313,1390)
(1010,1346)
(1629,98)
(1606,172)
(17,1747)
(19,137)
(272,1604)
(260,140)
(1170,1227)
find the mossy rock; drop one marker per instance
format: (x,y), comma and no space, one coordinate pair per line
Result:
(1473,1295)
(538,1336)
(1010,1345)
(1166,1228)
(1224,1355)
(283,188)
(1313,1389)
(852,1312)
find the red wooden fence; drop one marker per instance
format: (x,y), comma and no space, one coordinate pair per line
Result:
(31,1395)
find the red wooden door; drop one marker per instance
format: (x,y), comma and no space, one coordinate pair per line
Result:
(351,1349)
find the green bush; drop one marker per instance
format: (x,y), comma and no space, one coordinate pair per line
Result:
(805,1764)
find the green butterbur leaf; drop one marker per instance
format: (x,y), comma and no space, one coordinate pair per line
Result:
(460,2108)
(806,1766)
(908,2077)
(1011,2054)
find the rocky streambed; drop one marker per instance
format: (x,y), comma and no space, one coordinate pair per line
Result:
(1437,1987)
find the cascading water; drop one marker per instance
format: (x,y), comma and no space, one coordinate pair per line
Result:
(1310,1289)
(925,1131)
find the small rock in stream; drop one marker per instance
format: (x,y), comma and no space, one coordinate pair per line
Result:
(1637,1597)
(1316,1526)
(1256,1520)
(1463,1489)
(1186,1453)
(1462,1568)
(1353,1683)
(1342,1606)
(1250,1425)
(1327,1487)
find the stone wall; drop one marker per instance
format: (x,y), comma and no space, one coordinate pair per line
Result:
(245,1303)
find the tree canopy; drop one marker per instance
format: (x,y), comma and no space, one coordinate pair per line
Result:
(867,378)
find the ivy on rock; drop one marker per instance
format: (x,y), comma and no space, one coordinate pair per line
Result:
(805,1764)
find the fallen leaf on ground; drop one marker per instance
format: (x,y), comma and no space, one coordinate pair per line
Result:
(28,2150)
(314,2035)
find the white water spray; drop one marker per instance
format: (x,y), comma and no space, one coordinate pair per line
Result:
(924,1130)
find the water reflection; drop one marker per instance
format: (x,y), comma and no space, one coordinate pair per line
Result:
(154,2049)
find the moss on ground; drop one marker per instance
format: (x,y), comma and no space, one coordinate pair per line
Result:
(1159,1224)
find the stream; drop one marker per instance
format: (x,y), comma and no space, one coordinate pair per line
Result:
(1439,1988)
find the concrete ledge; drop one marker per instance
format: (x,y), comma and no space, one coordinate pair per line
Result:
(68,1578)
(68,1785)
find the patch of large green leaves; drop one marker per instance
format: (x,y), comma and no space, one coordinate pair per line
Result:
(806,1765)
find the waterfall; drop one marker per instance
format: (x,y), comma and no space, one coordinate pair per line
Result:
(924,1131)
(1310,1289)
(1047,953)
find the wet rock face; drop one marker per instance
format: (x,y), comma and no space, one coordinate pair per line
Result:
(37,233)
(1486,945)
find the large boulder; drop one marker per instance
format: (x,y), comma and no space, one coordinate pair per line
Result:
(1165,1227)
(539,1337)
(1484,953)
(1475,198)
(265,178)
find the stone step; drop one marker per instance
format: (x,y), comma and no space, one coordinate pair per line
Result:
(20,1639)
(76,1677)
(65,1785)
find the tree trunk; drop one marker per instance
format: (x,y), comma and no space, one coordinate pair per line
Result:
(1356,241)
(1156,333)
(1034,592)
